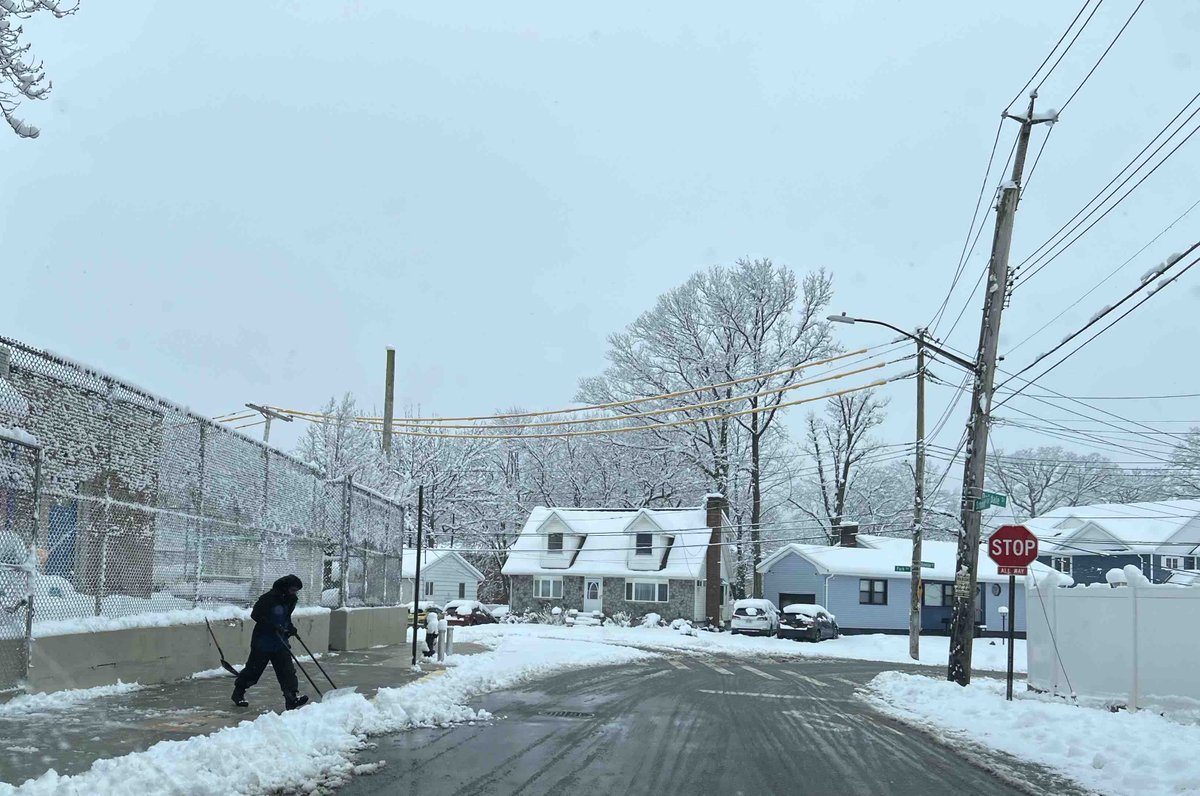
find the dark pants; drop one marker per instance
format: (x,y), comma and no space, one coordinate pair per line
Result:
(281,662)
(431,643)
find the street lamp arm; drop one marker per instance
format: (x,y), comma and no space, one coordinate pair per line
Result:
(919,340)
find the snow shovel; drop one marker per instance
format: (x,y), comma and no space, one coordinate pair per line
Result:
(226,665)
(335,692)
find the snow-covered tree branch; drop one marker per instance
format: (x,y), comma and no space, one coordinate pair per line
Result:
(21,76)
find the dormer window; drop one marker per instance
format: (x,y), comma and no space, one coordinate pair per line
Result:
(645,544)
(554,542)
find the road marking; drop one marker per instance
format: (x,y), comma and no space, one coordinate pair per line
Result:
(752,694)
(762,674)
(847,681)
(805,678)
(717,669)
(676,663)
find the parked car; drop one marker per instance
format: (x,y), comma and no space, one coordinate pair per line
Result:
(498,610)
(423,609)
(806,622)
(468,612)
(754,618)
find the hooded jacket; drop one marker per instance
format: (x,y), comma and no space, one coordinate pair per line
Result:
(272,615)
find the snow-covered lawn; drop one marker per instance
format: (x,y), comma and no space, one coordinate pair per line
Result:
(1113,753)
(879,647)
(305,749)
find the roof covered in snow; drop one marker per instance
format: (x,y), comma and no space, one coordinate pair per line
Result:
(430,558)
(601,542)
(878,557)
(1165,526)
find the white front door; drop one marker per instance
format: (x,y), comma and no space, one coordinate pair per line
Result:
(593,595)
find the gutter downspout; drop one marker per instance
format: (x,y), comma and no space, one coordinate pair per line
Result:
(826,603)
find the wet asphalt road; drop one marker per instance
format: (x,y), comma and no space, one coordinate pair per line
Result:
(689,726)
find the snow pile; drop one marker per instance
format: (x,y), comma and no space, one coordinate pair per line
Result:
(17,435)
(313,749)
(987,654)
(26,704)
(1114,753)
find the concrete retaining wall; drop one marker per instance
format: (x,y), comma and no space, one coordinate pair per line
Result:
(150,655)
(363,628)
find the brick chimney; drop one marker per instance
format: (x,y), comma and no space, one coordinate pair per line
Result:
(714,506)
(848,534)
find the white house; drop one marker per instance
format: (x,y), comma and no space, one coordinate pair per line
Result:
(445,576)
(868,586)
(636,561)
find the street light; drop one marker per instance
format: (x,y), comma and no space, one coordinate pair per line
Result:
(921,338)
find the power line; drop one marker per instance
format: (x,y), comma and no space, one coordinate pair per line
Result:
(1110,275)
(1100,60)
(1050,54)
(1044,254)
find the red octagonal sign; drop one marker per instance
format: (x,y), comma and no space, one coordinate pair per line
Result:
(1013,548)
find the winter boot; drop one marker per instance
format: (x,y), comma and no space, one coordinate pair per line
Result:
(239,698)
(293,701)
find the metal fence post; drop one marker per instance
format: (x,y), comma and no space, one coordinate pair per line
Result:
(202,474)
(32,573)
(102,585)
(347,485)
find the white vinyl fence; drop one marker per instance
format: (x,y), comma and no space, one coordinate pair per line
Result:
(1133,645)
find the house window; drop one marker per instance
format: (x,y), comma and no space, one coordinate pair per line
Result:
(462,590)
(1189,562)
(1172,562)
(1061,563)
(872,592)
(547,588)
(645,544)
(939,595)
(428,588)
(593,590)
(646,591)
(554,542)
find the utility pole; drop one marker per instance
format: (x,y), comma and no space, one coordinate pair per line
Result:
(389,392)
(962,622)
(416,603)
(914,612)
(268,413)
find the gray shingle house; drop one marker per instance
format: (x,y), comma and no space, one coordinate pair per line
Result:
(636,561)
(1161,538)
(445,576)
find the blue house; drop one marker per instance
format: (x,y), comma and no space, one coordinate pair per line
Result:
(1161,538)
(867,586)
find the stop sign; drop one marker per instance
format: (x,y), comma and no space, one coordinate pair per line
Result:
(1013,548)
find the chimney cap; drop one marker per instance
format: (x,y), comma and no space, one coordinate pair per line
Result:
(714,496)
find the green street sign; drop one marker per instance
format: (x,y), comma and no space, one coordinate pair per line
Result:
(989,499)
(925,564)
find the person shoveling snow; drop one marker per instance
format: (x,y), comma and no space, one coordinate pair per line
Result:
(432,624)
(273,626)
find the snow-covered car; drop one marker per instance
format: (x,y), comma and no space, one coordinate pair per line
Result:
(807,623)
(754,618)
(468,612)
(498,610)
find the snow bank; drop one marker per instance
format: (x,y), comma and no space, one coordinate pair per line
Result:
(17,435)
(314,748)
(1115,753)
(26,704)
(935,650)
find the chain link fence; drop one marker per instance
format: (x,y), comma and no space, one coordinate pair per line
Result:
(142,506)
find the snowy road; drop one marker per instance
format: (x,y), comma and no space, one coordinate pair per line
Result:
(687,725)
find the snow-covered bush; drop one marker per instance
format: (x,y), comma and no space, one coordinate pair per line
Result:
(622,619)
(652,620)
(683,626)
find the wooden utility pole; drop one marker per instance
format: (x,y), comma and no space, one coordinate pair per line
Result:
(269,414)
(962,622)
(389,392)
(914,612)
(416,604)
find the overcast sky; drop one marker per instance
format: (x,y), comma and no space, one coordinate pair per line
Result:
(249,206)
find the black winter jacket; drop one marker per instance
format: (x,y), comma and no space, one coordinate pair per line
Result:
(272,615)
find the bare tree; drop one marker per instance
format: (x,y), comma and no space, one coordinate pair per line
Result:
(838,443)
(1185,461)
(21,76)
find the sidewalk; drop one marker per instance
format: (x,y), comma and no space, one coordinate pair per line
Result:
(70,739)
